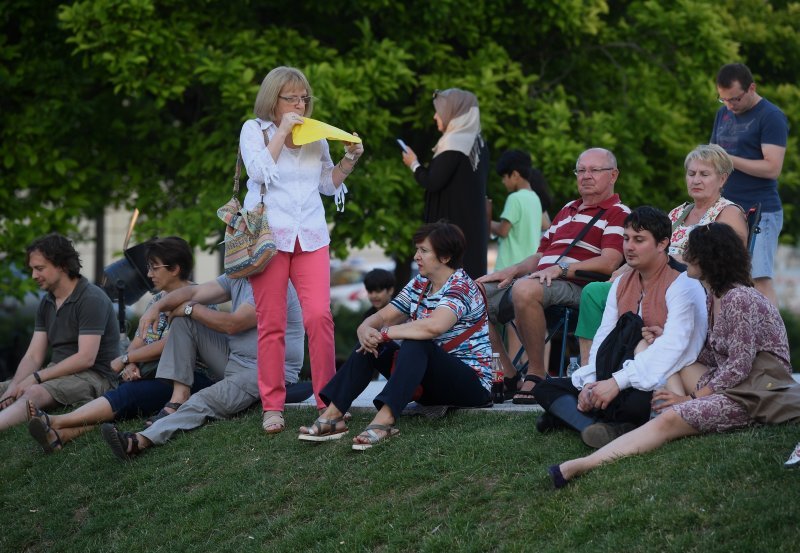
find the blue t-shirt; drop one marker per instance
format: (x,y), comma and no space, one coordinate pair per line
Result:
(461,295)
(742,136)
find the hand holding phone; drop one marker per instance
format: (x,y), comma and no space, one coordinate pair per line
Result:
(402,144)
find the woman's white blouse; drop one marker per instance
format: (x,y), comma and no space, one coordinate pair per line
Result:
(294,185)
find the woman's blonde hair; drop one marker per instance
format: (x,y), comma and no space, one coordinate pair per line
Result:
(271,86)
(713,154)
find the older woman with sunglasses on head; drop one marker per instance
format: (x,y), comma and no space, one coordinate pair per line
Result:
(715,256)
(295,177)
(455,180)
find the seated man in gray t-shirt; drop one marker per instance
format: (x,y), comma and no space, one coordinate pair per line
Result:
(227,344)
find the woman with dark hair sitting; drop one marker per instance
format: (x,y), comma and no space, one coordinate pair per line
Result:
(444,357)
(716,256)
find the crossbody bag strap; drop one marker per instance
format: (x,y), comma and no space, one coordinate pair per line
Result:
(450,345)
(684,214)
(461,338)
(581,234)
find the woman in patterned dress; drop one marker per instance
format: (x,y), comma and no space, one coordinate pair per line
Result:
(717,258)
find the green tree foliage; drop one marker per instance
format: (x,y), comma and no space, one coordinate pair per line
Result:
(139,102)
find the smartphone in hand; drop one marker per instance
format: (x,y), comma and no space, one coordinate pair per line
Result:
(402,145)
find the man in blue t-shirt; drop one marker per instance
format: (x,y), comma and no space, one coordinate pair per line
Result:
(753,131)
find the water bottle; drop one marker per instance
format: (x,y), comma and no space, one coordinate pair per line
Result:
(661,383)
(573,366)
(497,380)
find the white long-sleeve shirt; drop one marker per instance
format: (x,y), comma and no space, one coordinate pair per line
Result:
(679,345)
(294,185)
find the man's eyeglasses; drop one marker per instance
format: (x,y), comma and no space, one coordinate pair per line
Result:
(734,100)
(594,171)
(154,267)
(296,99)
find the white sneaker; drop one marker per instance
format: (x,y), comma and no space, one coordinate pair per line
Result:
(794,458)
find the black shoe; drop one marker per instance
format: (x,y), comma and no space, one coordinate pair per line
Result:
(510,386)
(547,422)
(601,433)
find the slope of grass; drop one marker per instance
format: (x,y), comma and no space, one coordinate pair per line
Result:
(470,482)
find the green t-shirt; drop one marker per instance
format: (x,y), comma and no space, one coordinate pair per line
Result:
(523,210)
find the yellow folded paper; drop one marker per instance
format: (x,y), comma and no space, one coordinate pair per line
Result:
(311,130)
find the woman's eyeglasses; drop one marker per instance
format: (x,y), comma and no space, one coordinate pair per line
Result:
(154,267)
(296,99)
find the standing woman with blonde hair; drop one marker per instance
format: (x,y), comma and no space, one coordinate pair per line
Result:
(295,177)
(455,180)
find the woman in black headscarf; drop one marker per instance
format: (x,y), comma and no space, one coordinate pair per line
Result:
(455,180)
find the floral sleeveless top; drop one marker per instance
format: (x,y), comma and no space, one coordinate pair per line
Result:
(680,234)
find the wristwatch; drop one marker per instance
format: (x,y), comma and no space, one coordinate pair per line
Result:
(125,359)
(564,269)
(187,311)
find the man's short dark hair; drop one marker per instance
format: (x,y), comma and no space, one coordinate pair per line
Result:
(172,251)
(652,220)
(379,279)
(447,240)
(514,160)
(519,161)
(734,72)
(59,251)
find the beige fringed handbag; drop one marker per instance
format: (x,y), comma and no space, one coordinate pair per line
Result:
(249,244)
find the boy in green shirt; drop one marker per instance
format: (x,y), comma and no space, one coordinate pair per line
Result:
(523,219)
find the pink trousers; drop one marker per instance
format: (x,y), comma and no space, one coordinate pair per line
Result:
(310,273)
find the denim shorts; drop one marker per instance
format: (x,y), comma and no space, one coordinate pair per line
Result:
(766,244)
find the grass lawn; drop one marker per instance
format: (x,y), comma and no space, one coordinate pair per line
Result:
(470,482)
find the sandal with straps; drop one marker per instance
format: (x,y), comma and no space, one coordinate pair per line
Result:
(373,438)
(120,441)
(317,433)
(40,431)
(174,405)
(525,397)
(273,422)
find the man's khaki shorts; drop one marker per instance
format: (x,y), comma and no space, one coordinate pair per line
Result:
(501,307)
(77,388)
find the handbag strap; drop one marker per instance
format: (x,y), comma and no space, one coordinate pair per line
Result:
(582,233)
(238,171)
(684,214)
